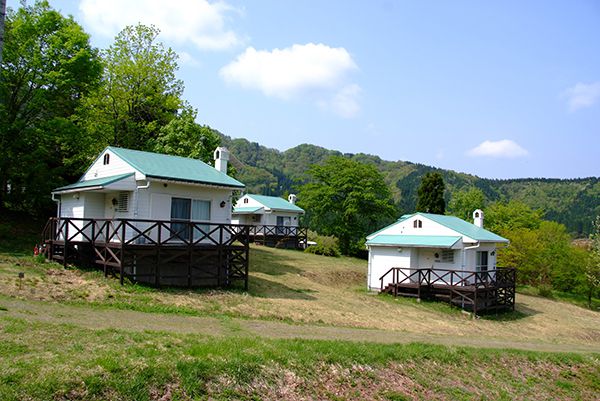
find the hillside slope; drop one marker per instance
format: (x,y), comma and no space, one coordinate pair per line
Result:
(572,202)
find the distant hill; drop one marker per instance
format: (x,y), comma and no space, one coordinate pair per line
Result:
(572,202)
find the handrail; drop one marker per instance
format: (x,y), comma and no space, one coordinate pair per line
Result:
(144,231)
(457,278)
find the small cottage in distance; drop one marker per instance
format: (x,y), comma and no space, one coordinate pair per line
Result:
(272,220)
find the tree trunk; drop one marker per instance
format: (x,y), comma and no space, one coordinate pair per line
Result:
(2,17)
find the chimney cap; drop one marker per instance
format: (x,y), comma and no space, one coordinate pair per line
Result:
(221,153)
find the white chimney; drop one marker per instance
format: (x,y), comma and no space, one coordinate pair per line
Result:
(221,159)
(478,218)
(292,199)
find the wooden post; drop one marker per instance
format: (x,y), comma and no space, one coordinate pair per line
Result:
(158,246)
(66,242)
(247,259)
(122,255)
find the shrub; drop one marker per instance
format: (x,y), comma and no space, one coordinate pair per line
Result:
(326,245)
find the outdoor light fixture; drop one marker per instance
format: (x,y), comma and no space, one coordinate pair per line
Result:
(493,253)
(223,203)
(114,201)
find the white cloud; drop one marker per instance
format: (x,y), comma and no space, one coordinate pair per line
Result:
(582,95)
(315,70)
(503,148)
(285,73)
(198,22)
(344,103)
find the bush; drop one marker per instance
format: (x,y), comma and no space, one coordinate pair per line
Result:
(323,250)
(545,291)
(326,245)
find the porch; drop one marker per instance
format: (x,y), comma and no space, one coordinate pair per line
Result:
(479,291)
(154,252)
(278,236)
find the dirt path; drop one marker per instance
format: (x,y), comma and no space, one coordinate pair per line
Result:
(92,318)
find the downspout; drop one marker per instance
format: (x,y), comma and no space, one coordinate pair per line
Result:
(465,253)
(58,206)
(137,196)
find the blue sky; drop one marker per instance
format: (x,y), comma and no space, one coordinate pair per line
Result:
(502,90)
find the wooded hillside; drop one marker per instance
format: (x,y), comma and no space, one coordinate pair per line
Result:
(572,202)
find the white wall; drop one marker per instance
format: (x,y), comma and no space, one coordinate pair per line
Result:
(154,202)
(116,166)
(381,259)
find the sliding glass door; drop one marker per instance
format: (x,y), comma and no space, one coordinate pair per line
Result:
(183,211)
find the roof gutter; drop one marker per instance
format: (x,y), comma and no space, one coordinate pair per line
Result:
(199,183)
(82,189)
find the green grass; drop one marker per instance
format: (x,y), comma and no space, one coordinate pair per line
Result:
(50,361)
(575,299)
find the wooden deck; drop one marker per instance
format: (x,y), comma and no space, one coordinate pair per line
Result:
(278,236)
(479,292)
(155,252)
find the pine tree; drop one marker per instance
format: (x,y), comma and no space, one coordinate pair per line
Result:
(431,194)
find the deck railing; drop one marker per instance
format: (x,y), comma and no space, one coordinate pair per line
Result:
(447,277)
(144,232)
(478,291)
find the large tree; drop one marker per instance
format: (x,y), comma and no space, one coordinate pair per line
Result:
(431,194)
(463,203)
(346,199)
(140,93)
(48,66)
(183,136)
(592,268)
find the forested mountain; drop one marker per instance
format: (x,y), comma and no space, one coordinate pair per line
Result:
(572,202)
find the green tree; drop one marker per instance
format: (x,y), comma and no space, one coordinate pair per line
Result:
(183,136)
(48,67)
(463,203)
(503,217)
(592,268)
(346,199)
(431,194)
(140,93)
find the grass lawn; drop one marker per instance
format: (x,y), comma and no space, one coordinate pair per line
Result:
(52,361)
(77,335)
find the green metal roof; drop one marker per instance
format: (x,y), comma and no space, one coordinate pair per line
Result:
(96,182)
(246,210)
(156,165)
(465,228)
(423,241)
(275,203)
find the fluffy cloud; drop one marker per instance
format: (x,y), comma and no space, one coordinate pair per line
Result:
(503,148)
(312,68)
(582,95)
(343,103)
(184,21)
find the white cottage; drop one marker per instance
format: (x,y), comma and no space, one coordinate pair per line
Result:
(261,210)
(431,241)
(155,218)
(131,184)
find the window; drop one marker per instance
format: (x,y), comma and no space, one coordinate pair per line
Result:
(245,200)
(447,256)
(106,159)
(417,224)
(185,210)
(123,202)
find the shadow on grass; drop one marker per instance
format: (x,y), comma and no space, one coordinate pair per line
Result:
(263,261)
(263,288)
